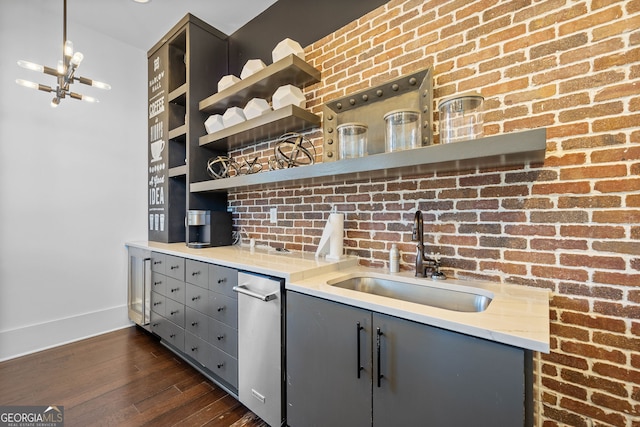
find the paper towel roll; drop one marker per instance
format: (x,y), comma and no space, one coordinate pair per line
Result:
(336,241)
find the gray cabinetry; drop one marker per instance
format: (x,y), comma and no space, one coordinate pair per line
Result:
(410,373)
(194,308)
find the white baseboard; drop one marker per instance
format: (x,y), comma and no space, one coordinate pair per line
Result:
(30,339)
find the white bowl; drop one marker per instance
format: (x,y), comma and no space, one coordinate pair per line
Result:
(251,67)
(255,108)
(233,116)
(285,48)
(288,95)
(226,82)
(214,123)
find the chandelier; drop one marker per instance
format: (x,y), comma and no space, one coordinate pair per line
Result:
(65,72)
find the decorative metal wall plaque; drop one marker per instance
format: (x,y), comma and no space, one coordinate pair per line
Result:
(412,92)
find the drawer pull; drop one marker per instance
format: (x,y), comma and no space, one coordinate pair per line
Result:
(154,325)
(195,298)
(157,262)
(175,289)
(173,267)
(155,304)
(220,309)
(175,312)
(194,323)
(195,273)
(159,282)
(194,348)
(172,336)
(220,337)
(220,365)
(224,279)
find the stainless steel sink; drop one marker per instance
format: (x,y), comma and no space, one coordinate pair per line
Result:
(447,299)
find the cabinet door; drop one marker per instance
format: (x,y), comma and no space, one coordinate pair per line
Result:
(440,378)
(174,267)
(223,279)
(323,388)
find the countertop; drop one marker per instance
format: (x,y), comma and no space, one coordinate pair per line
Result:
(517,315)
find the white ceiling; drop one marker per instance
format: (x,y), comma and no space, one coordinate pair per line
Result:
(142,25)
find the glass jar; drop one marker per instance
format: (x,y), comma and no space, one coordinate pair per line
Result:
(352,140)
(402,130)
(461,117)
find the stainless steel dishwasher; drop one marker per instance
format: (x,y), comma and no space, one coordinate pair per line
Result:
(260,355)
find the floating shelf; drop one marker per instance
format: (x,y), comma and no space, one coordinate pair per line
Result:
(494,151)
(267,126)
(290,70)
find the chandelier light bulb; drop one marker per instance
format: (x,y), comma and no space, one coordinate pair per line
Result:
(27,83)
(77,58)
(89,99)
(68,48)
(60,67)
(31,66)
(55,102)
(101,85)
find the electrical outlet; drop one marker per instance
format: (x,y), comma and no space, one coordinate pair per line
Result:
(273,215)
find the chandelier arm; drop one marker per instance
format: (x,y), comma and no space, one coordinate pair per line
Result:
(50,71)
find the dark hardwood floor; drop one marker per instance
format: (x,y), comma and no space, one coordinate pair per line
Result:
(123,378)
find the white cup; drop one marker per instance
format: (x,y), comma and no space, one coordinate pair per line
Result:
(156,149)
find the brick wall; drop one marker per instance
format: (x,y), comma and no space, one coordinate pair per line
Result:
(571,225)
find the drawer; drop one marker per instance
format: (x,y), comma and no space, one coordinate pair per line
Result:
(223,365)
(174,267)
(158,303)
(223,337)
(197,272)
(158,324)
(174,311)
(175,289)
(195,348)
(223,279)
(197,323)
(224,309)
(197,298)
(159,283)
(158,262)
(174,335)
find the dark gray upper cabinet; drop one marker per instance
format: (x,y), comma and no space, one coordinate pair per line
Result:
(412,374)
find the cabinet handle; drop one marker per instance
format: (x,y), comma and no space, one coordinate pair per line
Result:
(174,312)
(194,323)
(220,365)
(172,336)
(195,273)
(173,267)
(194,348)
(159,282)
(157,303)
(224,279)
(175,289)
(155,325)
(157,262)
(220,309)
(358,329)
(195,298)
(220,337)
(378,335)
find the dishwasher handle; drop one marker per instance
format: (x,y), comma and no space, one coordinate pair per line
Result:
(242,289)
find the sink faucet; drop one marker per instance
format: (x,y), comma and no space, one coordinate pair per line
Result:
(424,264)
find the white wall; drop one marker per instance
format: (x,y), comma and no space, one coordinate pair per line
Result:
(72,183)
